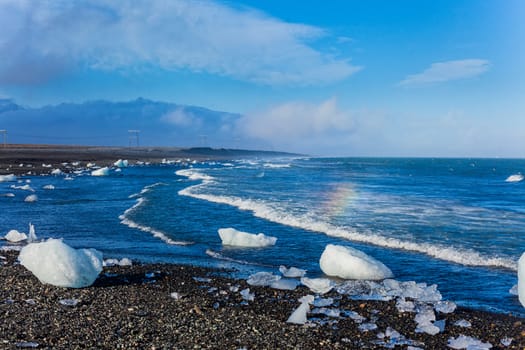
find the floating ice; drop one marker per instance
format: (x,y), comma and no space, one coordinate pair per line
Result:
(285,284)
(56,263)
(246,295)
(25,187)
(7,195)
(514,290)
(318,285)
(515,178)
(231,236)
(464,342)
(48,187)
(100,172)
(463,323)
(121,163)
(262,279)
(7,178)
(521,279)
(32,235)
(56,172)
(31,198)
(298,316)
(292,272)
(350,263)
(90,165)
(15,236)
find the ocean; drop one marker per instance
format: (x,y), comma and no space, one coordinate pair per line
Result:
(457,223)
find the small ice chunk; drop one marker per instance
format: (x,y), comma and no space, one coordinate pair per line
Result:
(521,279)
(262,279)
(27,344)
(68,302)
(32,235)
(246,295)
(514,290)
(425,322)
(7,178)
(515,178)
(230,236)
(350,263)
(56,263)
(121,163)
(90,165)
(365,327)
(56,172)
(354,316)
(31,198)
(464,342)
(428,328)
(403,305)
(292,272)
(202,279)
(506,341)
(318,285)
(463,323)
(322,302)
(445,307)
(298,316)
(100,172)
(125,262)
(15,236)
(327,311)
(285,284)
(48,187)
(176,295)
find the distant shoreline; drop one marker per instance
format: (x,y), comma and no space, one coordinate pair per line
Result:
(20,159)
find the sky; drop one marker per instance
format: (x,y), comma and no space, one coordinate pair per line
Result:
(341,77)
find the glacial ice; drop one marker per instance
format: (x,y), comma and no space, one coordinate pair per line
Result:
(121,163)
(464,342)
(298,316)
(350,263)
(515,178)
(56,172)
(7,178)
(246,295)
(54,262)
(31,198)
(318,285)
(445,306)
(285,284)
(292,272)
(117,262)
(32,235)
(262,279)
(15,236)
(48,187)
(231,236)
(463,323)
(100,172)
(521,279)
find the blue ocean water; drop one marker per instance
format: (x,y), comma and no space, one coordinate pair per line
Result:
(457,223)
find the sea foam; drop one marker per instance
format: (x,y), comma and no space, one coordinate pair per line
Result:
(266,211)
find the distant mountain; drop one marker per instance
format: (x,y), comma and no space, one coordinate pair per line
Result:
(108,123)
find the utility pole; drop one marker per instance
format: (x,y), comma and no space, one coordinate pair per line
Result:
(133,137)
(4,132)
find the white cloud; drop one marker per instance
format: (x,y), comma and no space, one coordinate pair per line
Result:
(446,71)
(42,39)
(180,117)
(299,126)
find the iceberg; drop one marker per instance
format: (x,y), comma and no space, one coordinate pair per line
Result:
(48,187)
(285,284)
(14,236)
(54,262)
(292,272)
(100,172)
(262,279)
(521,279)
(56,172)
(298,316)
(350,263)
(121,163)
(31,198)
(231,236)
(515,178)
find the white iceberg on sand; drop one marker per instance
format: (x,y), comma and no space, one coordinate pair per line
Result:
(318,285)
(121,163)
(54,262)
(231,236)
(350,263)
(100,172)
(521,279)
(292,272)
(298,316)
(14,236)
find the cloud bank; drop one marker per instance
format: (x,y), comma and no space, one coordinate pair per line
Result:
(41,40)
(447,71)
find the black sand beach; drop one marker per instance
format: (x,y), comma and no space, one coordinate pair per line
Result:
(131,307)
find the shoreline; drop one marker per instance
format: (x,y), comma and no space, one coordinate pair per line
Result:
(125,309)
(132,307)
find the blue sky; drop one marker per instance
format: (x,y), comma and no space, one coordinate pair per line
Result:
(339,77)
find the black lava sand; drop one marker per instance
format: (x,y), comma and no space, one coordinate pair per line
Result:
(132,308)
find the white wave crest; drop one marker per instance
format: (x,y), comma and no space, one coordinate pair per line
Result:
(125,220)
(194,175)
(277,165)
(261,209)
(219,256)
(146,189)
